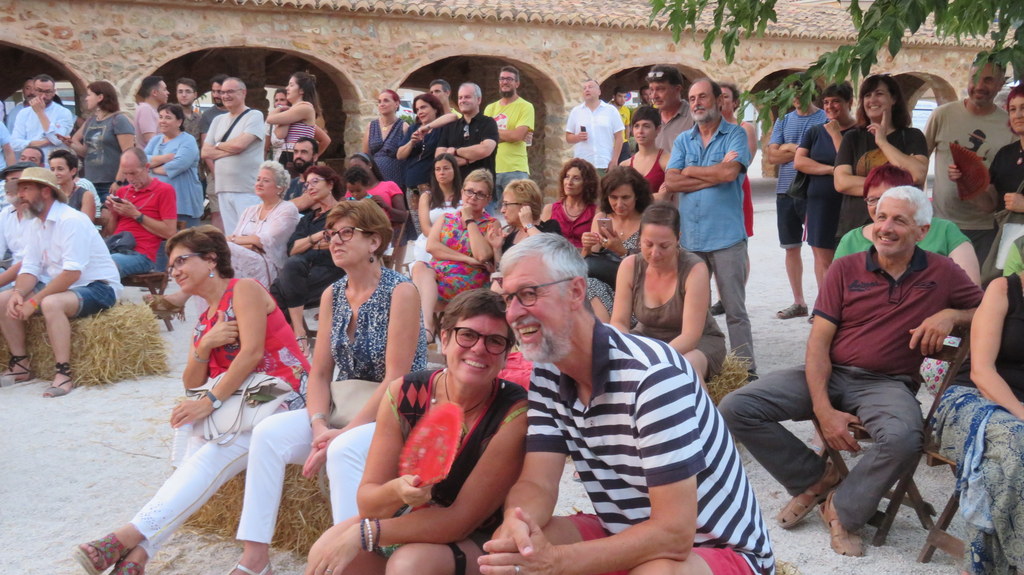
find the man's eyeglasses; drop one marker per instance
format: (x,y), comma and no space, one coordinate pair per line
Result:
(494,344)
(506,79)
(179,261)
(344,234)
(528,295)
(224,92)
(655,75)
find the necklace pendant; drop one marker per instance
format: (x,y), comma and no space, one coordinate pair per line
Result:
(1020,161)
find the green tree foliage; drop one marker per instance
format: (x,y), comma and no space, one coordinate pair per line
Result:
(882,25)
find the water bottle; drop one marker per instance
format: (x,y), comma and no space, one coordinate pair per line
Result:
(180,443)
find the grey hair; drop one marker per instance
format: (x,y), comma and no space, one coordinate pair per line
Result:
(557,255)
(281,177)
(476,89)
(923,213)
(239,80)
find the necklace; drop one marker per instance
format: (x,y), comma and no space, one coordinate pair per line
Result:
(570,215)
(444,374)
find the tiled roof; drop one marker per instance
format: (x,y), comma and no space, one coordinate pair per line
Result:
(797,20)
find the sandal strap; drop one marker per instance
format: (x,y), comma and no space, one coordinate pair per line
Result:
(63,368)
(15,362)
(110,549)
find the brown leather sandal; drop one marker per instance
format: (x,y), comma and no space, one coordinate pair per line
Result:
(801,505)
(843,542)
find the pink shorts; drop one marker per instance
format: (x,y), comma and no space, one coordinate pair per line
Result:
(721,560)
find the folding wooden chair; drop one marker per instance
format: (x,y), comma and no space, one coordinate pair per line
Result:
(905,491)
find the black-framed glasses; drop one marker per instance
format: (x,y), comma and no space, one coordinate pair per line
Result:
(528,295)
(507,204)
(504,79)
(494,344)
(475,194)
(343,234)
(179,261)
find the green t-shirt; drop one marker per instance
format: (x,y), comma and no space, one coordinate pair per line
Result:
(511,155)
(1014,263)
(943,237)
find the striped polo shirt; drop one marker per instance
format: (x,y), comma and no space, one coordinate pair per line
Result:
(649,423)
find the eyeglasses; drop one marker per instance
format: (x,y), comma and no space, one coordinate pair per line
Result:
(655,75)
(507,204)
(344,234)
(223,92)
(528,295)
(475,194)
(179,261)
(45,92)
(872,201)
(504,79)
(494,344)
(312,182)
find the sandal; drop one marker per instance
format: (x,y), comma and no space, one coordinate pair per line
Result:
(795,310)
(843,542)
(164,308)
(128,568)
(57,389)
(239,567)
(17,372)
(110,550)
(801,505)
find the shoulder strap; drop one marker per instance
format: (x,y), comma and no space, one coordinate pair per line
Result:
(227,134)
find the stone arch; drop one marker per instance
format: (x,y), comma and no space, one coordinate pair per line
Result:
(21,62)
(260,67)
(916,85)
(635,76)
(536,85)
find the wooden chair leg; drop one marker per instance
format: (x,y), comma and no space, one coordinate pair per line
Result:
(938,538)
(167,320)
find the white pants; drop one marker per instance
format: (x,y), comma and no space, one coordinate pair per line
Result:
(286,439)
(346,459)
(200,475)
(232,204)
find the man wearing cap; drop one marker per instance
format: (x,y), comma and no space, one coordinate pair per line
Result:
(66,272)
(666,88)
(12,223)
(146,208)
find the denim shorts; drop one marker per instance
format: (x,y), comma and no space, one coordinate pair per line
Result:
(94,298)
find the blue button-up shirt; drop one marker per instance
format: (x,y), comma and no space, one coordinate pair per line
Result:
(712,218)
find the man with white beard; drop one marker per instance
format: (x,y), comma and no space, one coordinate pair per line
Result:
(67,272)
(643,434)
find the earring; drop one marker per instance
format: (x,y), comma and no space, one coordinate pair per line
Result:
(212,274)
(372,259)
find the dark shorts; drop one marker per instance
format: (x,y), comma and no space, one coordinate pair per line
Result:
(721,560)
(92,298)
(790,213)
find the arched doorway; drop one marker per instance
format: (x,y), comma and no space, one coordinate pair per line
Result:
(534,85)
(262,68)
(21,63)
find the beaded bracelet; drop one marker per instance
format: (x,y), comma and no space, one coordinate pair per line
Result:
(379,537)
(362,535)
(369,535)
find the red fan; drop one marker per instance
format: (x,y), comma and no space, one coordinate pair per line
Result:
(433,444)
(974,178)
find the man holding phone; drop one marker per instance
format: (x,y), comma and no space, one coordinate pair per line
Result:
(146,208)
(595,129)
(43,123)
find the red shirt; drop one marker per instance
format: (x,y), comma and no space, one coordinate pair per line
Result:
(158,201)
(875,312)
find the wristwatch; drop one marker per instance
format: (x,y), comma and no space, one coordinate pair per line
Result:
(139,218)
(213,399)
(529,227)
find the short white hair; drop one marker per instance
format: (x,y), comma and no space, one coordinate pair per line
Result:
(923,213)
(559,257)
(281,177)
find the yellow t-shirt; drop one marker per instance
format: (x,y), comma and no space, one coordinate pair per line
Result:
(627,115)
(511,155)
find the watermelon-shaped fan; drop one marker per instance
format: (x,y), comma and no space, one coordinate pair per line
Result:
(974,178)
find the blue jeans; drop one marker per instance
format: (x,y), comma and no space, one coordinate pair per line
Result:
(500,181)
(133,263)
(94,298)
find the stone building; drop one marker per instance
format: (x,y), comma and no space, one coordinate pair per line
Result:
(358,47)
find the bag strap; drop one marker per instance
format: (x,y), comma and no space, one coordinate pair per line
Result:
(224,138)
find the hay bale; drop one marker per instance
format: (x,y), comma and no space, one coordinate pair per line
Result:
(783,568)
(304,515)
(122,342)
(732,376)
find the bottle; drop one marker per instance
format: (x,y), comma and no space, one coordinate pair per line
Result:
(179,445)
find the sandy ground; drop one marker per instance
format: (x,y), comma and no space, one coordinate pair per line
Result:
(76,467)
